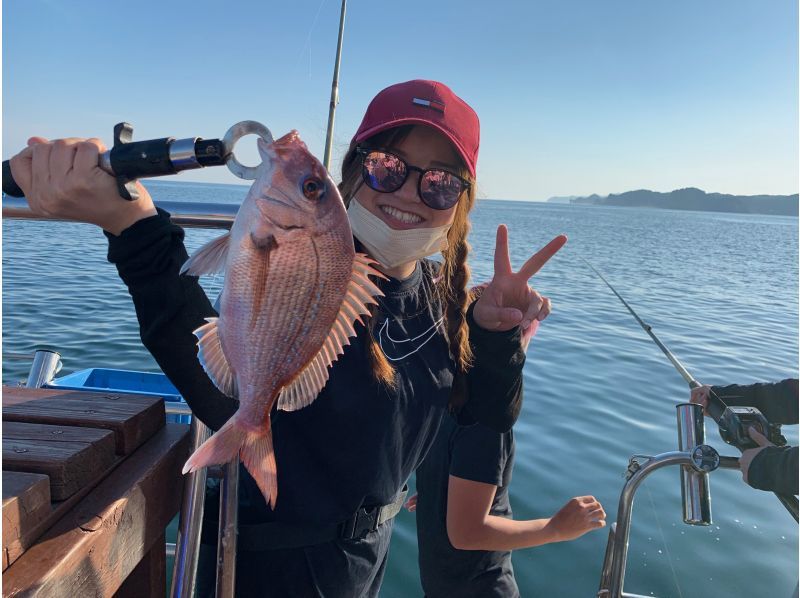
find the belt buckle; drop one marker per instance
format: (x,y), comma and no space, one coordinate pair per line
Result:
(359,525)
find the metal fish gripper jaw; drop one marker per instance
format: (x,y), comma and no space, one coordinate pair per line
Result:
(236,132)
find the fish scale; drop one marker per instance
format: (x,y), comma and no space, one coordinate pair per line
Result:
(290,325)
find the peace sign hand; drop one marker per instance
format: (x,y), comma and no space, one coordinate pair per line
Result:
(508,300)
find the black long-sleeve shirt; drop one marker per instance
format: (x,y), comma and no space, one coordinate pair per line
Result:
(359,441)
(774,468)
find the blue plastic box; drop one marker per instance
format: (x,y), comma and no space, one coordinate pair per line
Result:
(123,382)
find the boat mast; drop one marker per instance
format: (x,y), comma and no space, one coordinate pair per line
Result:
(334,90)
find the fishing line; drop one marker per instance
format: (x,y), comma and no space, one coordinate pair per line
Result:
(306,46)
(663,539)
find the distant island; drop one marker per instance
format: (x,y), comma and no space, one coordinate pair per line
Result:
(692,198)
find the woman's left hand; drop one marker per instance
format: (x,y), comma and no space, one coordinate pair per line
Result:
(509,300)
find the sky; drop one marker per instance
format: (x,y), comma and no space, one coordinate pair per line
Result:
(574,96)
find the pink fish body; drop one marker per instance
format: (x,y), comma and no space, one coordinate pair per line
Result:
(294,287)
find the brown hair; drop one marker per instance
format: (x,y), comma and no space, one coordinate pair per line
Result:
(451,285)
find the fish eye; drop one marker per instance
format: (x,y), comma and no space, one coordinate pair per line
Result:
(313,188)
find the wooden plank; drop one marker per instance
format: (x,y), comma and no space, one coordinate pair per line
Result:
(132,418)
(149,578)
(26,504)
(95,546)
(70,457)
(58,510)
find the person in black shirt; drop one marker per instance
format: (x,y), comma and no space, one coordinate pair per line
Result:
(465,529)
(408,179)
(767,467)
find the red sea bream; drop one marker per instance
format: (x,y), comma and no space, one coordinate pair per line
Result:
(294,287)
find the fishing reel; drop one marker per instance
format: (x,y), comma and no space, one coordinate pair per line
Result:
(735,422)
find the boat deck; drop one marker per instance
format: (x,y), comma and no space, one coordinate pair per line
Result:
(90,482)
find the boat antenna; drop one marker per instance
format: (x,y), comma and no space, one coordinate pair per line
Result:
(716,406)
(334,90)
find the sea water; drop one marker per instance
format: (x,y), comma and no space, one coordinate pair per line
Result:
(720,290)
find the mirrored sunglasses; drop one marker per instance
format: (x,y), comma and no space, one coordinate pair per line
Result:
(385,172)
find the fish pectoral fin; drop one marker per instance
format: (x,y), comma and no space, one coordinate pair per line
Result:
(210,258)
(213,359)
(361,291)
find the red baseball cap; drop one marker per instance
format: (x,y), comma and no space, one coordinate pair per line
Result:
(425,103)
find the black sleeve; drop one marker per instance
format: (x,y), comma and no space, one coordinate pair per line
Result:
(495,379)
(480,454)
(148,256)
(778,401)
(775,469)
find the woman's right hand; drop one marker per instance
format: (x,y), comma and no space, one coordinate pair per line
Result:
(62,179)
(580,515)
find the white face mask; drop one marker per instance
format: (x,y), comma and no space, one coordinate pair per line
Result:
(394,247)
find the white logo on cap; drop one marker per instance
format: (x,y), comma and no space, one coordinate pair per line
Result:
(429,104)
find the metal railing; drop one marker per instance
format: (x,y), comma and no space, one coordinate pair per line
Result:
(187,551)
(228,530)
(184,213)
(696,460)
(18,356)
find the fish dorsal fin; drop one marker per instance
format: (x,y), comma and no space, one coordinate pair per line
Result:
(210,258)
(213,359)
(361,291)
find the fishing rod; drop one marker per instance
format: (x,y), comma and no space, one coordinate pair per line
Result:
(326,161)
(130,160)
(734,421)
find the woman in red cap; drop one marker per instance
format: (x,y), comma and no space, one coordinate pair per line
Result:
(408,180)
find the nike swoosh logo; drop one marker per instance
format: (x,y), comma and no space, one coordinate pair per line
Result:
(405,347)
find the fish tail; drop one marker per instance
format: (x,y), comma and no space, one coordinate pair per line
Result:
(254,448)
(259,459)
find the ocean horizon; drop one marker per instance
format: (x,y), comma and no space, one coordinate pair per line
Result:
(559,200)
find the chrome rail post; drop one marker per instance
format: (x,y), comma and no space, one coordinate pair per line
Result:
(46,364)
(617,554)
(695,490)
(700,459)
(184,569)
(228,530)
(608,559)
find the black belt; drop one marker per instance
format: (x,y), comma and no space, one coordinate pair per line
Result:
(279,534)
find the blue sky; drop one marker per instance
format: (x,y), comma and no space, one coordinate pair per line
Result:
(575,97)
